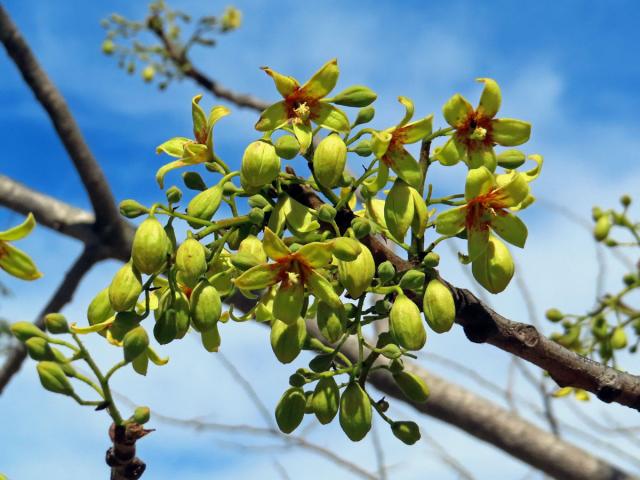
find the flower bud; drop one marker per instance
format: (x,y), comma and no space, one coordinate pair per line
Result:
(361,227)
(494,268)
(23,331)
(258,201)
(141,415)
(346,249)
(132,209)
(52,378)
(211,339)
(439,307)
(406,325)
(252,246)
(365,115)
(625,200)
(125,288)
(412,280)
(554,315)
(407,432)
(287,340)
(391,351)
(56,323)
(386,271)
(108,47)
(326,400)
(39,349)
(431,260)
(362,148)
(327,213)
(165,330)
(135,343)
(356,276)
(355,412)
(599,327)
(148,73)
(511,159)
(399,209)
(618,338)
(412,386)
(205,305)
(99,309)
(205,204)
(191,261)
(194,181)
(355,96)
(260,165)
(256,216)
(321,363)
(180,312)
(297,380)
(150,247)
(331,322)
(602,228)
(329,160)
(290,409)
(173,194)
(287,147)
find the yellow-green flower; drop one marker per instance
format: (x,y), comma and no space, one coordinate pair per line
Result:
(192,151)
(13,260)
(302,105)
(292,272)
(477,130)
(388,146)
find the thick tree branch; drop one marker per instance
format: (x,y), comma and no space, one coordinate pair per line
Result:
(60,298)
(93,178)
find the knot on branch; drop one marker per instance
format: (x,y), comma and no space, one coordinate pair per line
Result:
(121,457)
(609,388)
(477,322)
(527,334)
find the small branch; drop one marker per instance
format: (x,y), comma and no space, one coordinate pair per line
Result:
(121,457)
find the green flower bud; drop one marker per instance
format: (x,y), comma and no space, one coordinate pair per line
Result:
(132,209)
(211,339)
(125,288)
(165,330)
(412,386)
(399,209)
(361,227)
(288,302)
(331,322)
(618,338)
(297,380)
(287,340)
(205,204)
(141,415)
(230,189)
(602,228)
(346,249)
(256,216)
(191,261)
(391,351)
(625,200)
(326,400)
(194,181)
(321,363)
(439,307)
(412,280)
(39,349)
(173,194)
(355,412)
(287,147)
(407,432)
(355,96)
(150,247)
(362,148)
(205,306)
(405,324)
(511,159)
(327,213)
(23,331)
(290,410)
(431,260)
(52,378)
(356,276)
(258,201)
(629,279)
(56,323)
(99,309)
(108,47)
(252,246)
(610,242)
(180,316)
(386,271)
(365,115)
(123,324)
(494,268)
(599,327)
(554,315)
(596,213)
(135,343)
(329,160)
(260,165)
(148,73)
(382,307)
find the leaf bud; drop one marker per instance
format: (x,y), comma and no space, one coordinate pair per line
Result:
(150,247)
(56,323)
(290,409)
(326,400)
(52,378)
(405,324)
(173,194)
(125,288)
(191,261)
(135,343)
(132,209)
(141,415)
(23,331)
(287,147)
(329,160)
(260,165)
(355,412)
(413,387)
(407,432)
(439,306)
(194,181)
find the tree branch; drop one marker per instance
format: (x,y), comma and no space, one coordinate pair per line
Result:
(93,178)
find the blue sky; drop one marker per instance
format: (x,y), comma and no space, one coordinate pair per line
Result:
(569,67)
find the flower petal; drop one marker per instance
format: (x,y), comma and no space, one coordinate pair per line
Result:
(421,215)
(483,157)
(20,231)
(532,174)
(330,117)
(162,171)
(494,268)
(215,114)
(479,181)
(380,142)
(323,81)
(409,108)
(315,254)
(510,228)
(174,146)
(304,135)
(451,222)
(323,290)
(273,246)
(199,120)
(17,263)
(273,117)
(417,130)
(456,110)
(509,132)
(286,85)
(450,153)
(403,163)
(513,188)
(477,242)
(490,99)
(288,302)
(258,277)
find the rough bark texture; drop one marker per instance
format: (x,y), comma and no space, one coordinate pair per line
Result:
(121,457)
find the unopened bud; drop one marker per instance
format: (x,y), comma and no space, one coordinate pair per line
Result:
(132,209)
(56,323)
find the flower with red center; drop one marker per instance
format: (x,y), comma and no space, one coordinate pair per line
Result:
(304,104)
(13,260)
(477,131)
(293,273)
(389,146)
